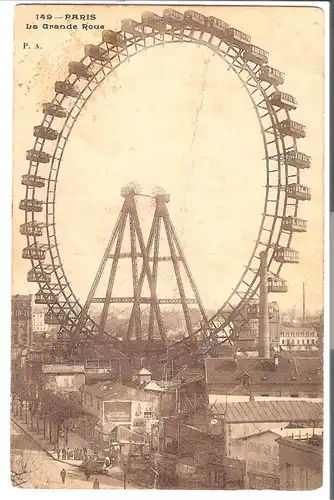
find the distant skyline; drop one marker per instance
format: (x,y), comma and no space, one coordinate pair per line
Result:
(205,150)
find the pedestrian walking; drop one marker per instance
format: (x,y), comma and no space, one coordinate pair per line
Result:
(63,475)
(96,484)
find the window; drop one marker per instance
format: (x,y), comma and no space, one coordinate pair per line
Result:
(289,476)
(264,466)
(283,341)
(312,395)
(265,395)
(295,395)
(98,405)
(267,450)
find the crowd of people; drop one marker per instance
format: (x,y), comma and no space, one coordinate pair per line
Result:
(67,454)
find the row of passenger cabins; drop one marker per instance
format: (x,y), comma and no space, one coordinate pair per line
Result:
(294,191)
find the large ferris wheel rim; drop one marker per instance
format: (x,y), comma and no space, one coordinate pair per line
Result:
(186,35)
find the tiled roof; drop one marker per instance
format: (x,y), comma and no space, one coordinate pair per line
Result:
(270,411)
(288,370)
(113,391)
(297,328)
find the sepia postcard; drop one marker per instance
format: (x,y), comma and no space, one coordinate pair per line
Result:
(167,304)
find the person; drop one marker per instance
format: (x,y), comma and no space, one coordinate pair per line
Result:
(63,454)
(63,475)
(87,474)
(58,453)
(96,484)
(107,462)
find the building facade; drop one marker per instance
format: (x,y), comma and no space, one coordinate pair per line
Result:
(261,455)
(249,333)
(64,378)
(301,463)
(298,338)
(38,314)
(109,404)
(21,320)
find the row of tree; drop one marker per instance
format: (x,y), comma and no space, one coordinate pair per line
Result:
(59,409)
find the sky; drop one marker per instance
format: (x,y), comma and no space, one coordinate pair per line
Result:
(173,117)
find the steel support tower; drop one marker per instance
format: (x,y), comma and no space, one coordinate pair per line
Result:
(150,256)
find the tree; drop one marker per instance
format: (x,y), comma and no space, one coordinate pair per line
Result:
(60,408)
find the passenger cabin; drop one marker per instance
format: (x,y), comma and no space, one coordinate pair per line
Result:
(298,159)
(67,89)
(294,224)
(53,318)
(33,181)
(216,27)
(31,205)
(45,133)
(38,276)
(298,192)
(238,38)
(174,18)
(116,39)
(80,70)
(54,110)
(253,311)
(38,156)
(286,255)
(195,19)
(96,53)
(153,21)
(133,28)
(271,75)
(255,54)
(33,252)
(32,229)
(292,129)
(277,285)
(45,298)
(283,100)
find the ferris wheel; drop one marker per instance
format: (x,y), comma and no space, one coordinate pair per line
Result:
(283,160)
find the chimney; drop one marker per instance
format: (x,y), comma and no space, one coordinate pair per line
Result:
(263,312)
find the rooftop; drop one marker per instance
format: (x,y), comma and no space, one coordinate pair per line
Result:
(107,391)
(144,371)
(270,411)
(280,370)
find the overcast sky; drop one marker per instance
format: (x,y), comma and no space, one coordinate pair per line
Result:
(141,126)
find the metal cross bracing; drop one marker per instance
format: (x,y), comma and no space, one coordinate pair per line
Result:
(260,82)
(149,272)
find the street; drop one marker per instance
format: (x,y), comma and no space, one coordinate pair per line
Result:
(38,470)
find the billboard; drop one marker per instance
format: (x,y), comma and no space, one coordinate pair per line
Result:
(116,411)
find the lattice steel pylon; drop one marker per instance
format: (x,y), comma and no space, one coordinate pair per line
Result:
(148,273)
(113,252)
(177,257)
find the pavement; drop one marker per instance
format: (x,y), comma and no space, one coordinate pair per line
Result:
(44,443)
(43,466)
(43,471)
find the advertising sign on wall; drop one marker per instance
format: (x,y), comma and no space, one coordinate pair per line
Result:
(116,411)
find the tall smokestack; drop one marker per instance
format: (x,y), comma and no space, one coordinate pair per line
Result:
(303,303)
(264,350)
